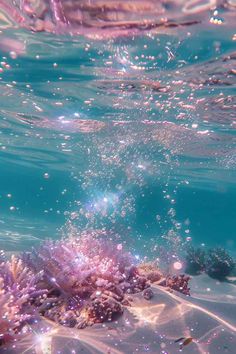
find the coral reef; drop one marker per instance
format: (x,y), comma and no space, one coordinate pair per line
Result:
(195,260)
(18,290)
(150,271)
(178,283)
(75,282)
(219,264)
(87,278)
(216,262)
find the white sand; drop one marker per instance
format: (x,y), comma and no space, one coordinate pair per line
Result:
(208,316)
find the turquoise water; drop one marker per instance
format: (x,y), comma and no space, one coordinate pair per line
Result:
(134,133)
(118,116)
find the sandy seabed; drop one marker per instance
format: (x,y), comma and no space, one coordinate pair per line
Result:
(208,316)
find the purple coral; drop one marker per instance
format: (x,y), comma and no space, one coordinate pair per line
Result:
(18,290)
(77,266)
(87,278)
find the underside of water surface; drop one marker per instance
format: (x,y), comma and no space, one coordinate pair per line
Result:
(118,166)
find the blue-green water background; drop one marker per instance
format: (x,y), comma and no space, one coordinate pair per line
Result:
(55,173)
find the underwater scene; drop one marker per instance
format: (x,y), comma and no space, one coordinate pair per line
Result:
(117,176)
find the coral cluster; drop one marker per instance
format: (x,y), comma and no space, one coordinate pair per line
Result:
(90,278)
(195,260)
(87,278)
(75,282)
(219,264)
(18,291)
(175,282)
(150,271)
(178,283)
(216,262)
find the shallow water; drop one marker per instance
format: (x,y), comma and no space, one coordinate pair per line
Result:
(135,133)
(120,125)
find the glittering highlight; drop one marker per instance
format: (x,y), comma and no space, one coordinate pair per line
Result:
(75,282)
(19,298)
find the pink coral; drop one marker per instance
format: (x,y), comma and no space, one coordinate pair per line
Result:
(87,278)
(76,282)
(17,291)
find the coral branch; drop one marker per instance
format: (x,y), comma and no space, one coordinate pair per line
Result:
(18,290)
